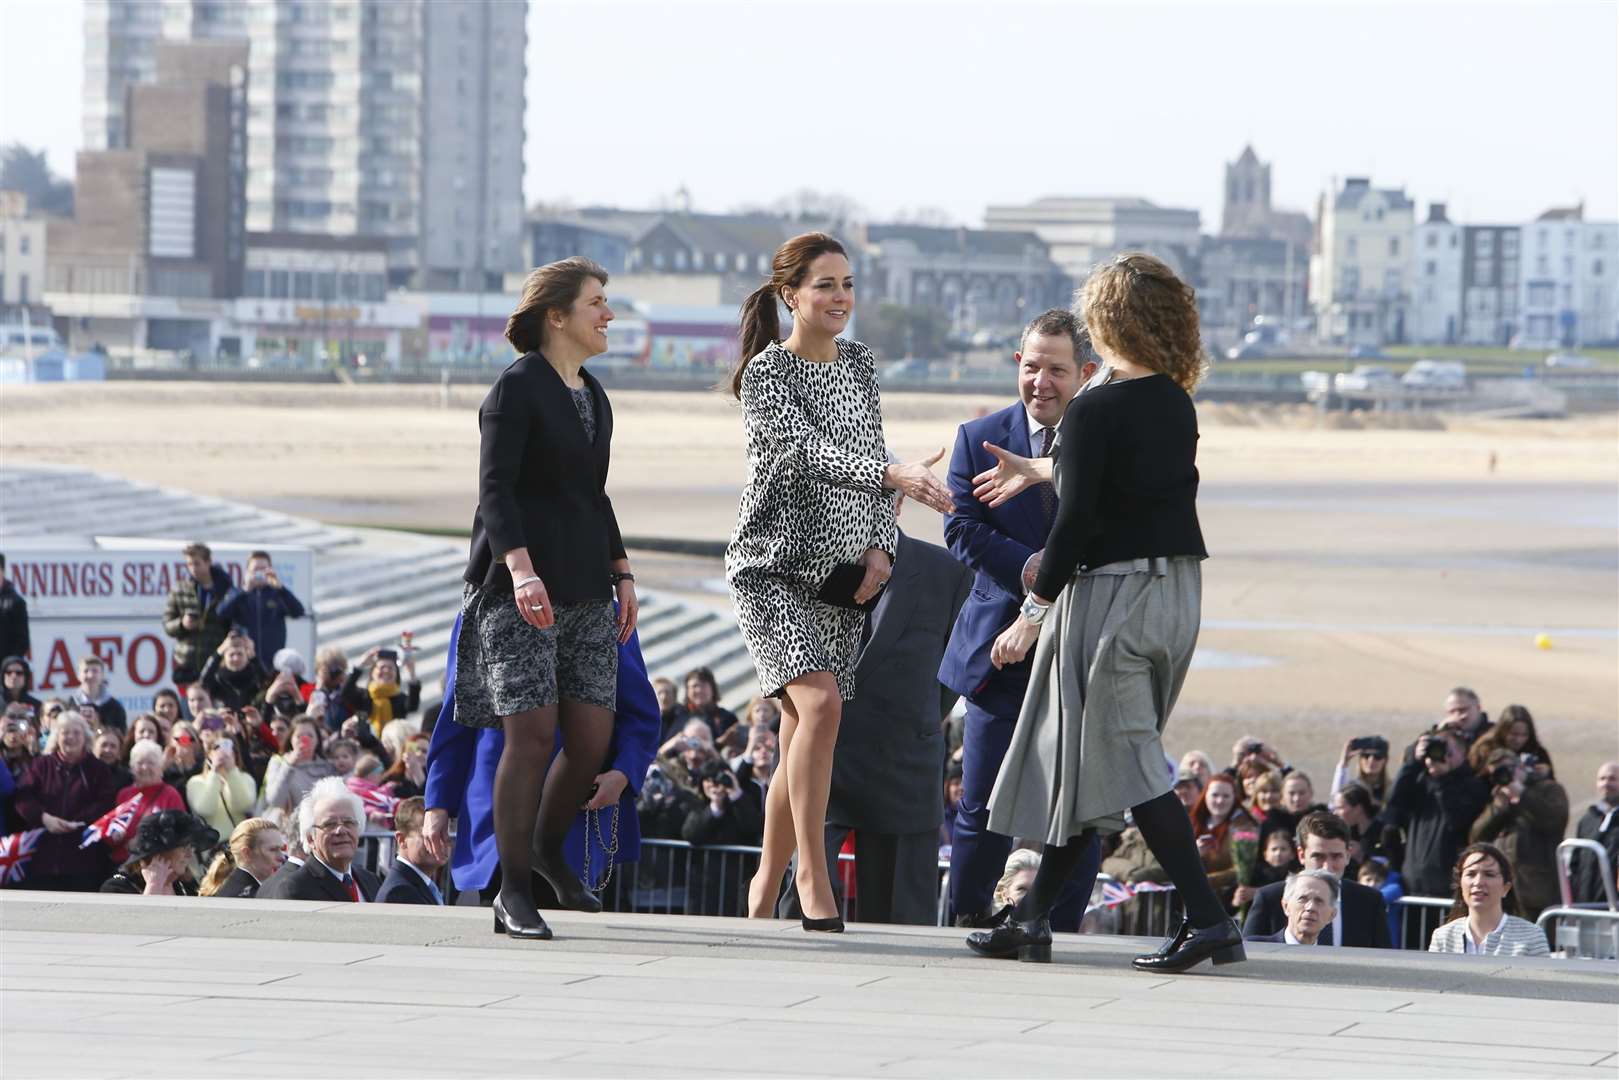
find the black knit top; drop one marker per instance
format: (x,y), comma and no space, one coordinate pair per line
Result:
(1127,472)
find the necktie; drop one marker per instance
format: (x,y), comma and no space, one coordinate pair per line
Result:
(1048,492)
(354,890)
(438,897)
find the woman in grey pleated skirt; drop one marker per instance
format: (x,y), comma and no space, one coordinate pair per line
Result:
(1115,609)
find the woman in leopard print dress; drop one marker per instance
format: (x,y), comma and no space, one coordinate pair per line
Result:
(820,493)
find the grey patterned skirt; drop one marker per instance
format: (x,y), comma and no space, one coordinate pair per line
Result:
(1112,655)
(504,666)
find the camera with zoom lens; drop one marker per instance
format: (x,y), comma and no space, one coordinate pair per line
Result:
(1438,748)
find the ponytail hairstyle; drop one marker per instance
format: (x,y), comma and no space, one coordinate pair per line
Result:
(234,853)
(760,324)
(553,287)
(1137,307)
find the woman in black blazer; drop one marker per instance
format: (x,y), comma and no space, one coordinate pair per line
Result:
(539,635)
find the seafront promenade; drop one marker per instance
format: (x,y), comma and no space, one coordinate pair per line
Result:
(104,986)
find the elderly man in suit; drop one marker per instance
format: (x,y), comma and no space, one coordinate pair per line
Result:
(1360,916)
(1310,902)
(330,819)
(1003,545)
(410,879)
(888,768)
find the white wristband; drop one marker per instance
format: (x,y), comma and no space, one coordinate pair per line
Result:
(520,582)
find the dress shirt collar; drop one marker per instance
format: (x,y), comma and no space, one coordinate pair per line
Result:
(339,877)
(419,873)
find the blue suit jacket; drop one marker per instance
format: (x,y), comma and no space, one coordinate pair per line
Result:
(994,543)
(461,764)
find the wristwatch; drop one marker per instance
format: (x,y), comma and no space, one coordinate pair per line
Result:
(1033,610)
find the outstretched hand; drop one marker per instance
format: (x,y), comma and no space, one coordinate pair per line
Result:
(915,480)
(1012,475)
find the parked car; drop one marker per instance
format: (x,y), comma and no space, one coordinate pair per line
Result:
(1367,352)
(1315,382)
(1570,361)
(1365,377)
(1247,351)
(1436,375)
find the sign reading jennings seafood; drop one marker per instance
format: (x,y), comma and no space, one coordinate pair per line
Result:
(106,599)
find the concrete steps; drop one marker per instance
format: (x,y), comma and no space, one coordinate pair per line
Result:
(368,586)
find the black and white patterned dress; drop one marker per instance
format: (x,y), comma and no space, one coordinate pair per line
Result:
(814,499)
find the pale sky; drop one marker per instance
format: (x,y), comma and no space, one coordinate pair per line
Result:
(1499,109)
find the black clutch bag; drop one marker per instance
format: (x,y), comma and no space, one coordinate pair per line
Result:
(839,588)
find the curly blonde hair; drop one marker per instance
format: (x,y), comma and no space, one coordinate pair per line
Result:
(1137,307)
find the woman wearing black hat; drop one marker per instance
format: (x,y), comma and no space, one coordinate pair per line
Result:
(163,856)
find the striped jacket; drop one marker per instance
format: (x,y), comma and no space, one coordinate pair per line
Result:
(1514,937)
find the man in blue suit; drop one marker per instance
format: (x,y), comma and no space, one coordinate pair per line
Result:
(461,765)
(1003,546)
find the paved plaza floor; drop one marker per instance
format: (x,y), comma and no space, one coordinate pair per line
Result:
(107,986)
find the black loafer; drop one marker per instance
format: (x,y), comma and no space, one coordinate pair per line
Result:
(985,920)
(1221,943)
(1028,941)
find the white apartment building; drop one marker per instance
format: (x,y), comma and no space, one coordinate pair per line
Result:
(398,119)
(1569,286)
(1083,231)
(22,252)
(1436,302)
(1360,273)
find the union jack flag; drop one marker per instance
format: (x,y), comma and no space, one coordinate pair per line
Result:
(1115,893)
(379,805)
(113,824)
(15,851)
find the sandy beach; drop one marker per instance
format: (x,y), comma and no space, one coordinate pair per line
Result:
(1360,567)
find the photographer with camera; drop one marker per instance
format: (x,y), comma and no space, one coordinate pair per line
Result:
(1436,799)
(191,614)
(384,697)
(728,817)
(1365,762)
(1526,817)
(262,607)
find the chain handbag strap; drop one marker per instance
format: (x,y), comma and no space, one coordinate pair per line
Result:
(593,821)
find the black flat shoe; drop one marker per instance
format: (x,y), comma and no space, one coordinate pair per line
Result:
(985,920)
(571,892)
(834,925)
(1028,941)
(1221,943)
(1175,940)
(520,928)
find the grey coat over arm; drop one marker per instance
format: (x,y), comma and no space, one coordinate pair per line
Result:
(888,771)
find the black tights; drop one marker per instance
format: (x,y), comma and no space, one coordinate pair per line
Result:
(534,805)
(1168,832)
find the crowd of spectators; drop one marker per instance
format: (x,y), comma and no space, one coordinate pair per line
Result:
(230,757)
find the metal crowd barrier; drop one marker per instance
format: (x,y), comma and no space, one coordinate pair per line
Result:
(674,877)
(1581,933)
(1419,917)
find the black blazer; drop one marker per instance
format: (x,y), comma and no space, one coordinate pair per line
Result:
(404,886)
(312,881)
(240,885)
(543,486)
(1366,923)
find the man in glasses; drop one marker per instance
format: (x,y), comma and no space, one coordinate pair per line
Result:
(330,820)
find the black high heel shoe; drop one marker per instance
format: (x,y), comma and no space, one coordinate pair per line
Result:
(834,925)
(1221,943)
(571,892)
(1028,941)
(531,931)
